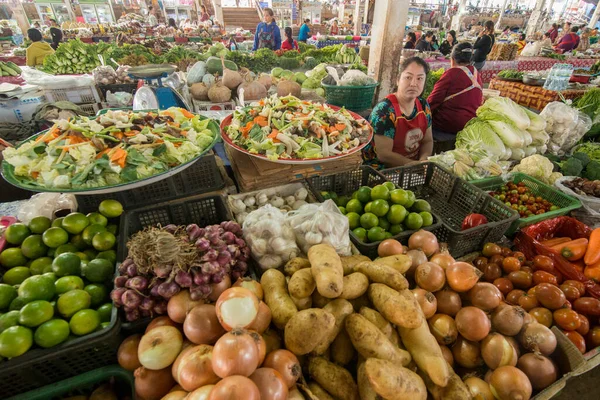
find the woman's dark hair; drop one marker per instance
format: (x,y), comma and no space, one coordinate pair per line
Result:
(203,8)
(269,11)
(507,27)
(172,23)
(546,35)
(575,29)
(288,35)
(412,36)
(522,37)
(489,25)
(413,60)
(555,25)
(453,34)
(34,35)
(307,20)
(462,53)
(429,34)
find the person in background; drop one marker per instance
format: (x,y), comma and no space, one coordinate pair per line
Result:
(351,21)
(584,42)
(203,14)
(568,42)
(449,43)
(267,33)
(434,43)
(546,41)
(424,44)
(289,43)
(172,23)
(232,43)
(55,33)
(335,29)
(402,121)
(483,45)
(411,42)
(553,32)
(456,97)
(566,29)
(152,20)
(38,50)
(304,31)
(36,25)
(506,30)
(521,43)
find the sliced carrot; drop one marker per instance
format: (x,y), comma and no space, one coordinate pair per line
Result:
(334,133)
(261,102)
(183,133)
(186,113)
(131,133)
(118,154)
(35,174)
(340,127)
(118,135)
(261,121)
(169,114)
(103,152)
(273,134)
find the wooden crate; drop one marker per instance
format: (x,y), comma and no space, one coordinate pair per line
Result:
(534,97)
(252,173)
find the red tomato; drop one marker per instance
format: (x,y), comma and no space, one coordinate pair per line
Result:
(473,220)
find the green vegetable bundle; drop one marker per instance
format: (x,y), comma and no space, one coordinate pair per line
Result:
(510,74)
(431,80)
(589,103)
(75,57)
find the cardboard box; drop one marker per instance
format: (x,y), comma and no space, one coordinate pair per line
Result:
(20,110)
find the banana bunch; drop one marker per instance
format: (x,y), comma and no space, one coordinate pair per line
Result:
(9,69)
(347,55)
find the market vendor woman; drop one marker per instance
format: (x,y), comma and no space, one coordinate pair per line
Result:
(38,50)
(267,34)
(402,121)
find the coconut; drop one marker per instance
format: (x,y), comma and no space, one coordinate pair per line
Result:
(266,80)
(219,93)
(199,91)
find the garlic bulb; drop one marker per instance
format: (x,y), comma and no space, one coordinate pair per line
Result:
(238,206)
(290,200)
(249,201)
(301,194)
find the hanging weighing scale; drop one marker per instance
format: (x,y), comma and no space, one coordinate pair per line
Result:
(154,95)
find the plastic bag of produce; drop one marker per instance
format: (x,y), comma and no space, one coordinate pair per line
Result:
(565,125)
(320,223)
(123,74)
(270,237)
(45,205)
(104,75)
(355,77)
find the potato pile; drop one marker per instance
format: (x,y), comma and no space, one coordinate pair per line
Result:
(357,329)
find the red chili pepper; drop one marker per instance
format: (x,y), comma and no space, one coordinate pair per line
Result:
(473,220)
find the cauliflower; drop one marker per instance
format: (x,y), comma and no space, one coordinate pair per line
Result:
(536,166)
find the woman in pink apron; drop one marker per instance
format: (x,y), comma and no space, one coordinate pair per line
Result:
(402,121)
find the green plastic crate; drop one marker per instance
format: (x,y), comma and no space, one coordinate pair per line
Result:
(565,202)
(486,182)
(353,98)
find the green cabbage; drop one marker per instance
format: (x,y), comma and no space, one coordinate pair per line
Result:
(511,135)
(508,108)
(537,123)
(479,135)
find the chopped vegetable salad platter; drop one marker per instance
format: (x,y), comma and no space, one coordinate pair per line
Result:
(113,151)
(289,130)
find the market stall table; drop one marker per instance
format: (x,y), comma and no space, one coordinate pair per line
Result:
(490,70)
(19,60)
(544,63)
(535,97)
(324,43)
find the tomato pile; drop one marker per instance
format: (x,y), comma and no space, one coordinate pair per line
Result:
(521,199)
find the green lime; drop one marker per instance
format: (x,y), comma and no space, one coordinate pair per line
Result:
(38,265)
(16,233)
(390,186)
(82,256)
(78,242)
(57,223)
(66,264)
(36,313)
(37,287)
(50,275)
(110,208)
(388,235)
(396,214)
(380,207)
(65,248)
(342,201)
(98,293)
(411,199)
(51,333)
(399,196)
(16,275)
(376,234)
(17,304)
(7,294)
(333,196)
(98,270)
(325,194)
(368,206)
(109,255)
(364,194)
(353,220)
(112,228)
(104,325)
(354,195)
(15,341)
(75,223)
(104,241)
(427,218)
(84,322)
(368,220)
(396,229)
(384,224)
(413,221)
(342,210)
(380,192)
(105,311)
(91,231)
(72,301)
(39,225)
(33,247)
(420,206)
(50,252)
(354,206)
(12,257)
(68,283)
(97,218)
(9,319)
(54,237)
(90,253)
(361,233)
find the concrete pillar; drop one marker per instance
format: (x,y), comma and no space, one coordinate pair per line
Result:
(358,16)
(341,9)
(502,9)
(562,13)
(448,7)
(462,9)
(550,6)
(594,19)
(19,15)
(536,17)
(366,12)
(389,20)
(67,4)
(218,11)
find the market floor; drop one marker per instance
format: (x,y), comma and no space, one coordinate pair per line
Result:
(583,387)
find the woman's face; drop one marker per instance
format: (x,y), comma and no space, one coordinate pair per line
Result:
(412,81)
(268,18)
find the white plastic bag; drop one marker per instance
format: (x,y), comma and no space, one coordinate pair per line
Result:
(45,205)
(565,125)
(320,223)
(355,77)
(270,237)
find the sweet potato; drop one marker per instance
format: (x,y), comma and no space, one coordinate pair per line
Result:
(336,380)
(306,329)
(342,350)
(393,382)
(277,297)
(319,301)
(370,342)
(302,304)
(319,392)
(327,270)
(355,285)
(400,262)
(426,351)
(295,264)
(340,309)
(400,308)
(454,390)
(302,284)
(348,262)
(379,273)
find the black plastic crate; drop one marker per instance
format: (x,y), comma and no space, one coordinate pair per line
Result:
(344,184)
(453,199)
(203,176)
(117,87)
(41,367)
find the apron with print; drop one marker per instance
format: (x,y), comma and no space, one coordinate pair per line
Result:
(474,83)
(409,133)
(266,38)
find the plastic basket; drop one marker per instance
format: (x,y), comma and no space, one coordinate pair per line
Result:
(41,367)
(77,95)
(84,385)
(565,202)
(453,199)
(117,87)
(200,106)
(344,184)
(169,39)
(354,98)
(201,177)
(179,39)
(90,109)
